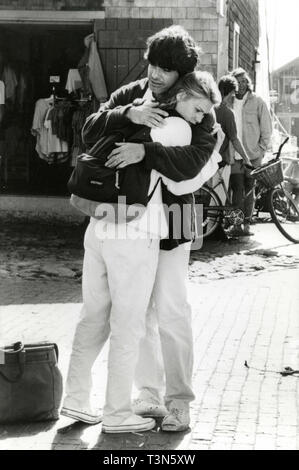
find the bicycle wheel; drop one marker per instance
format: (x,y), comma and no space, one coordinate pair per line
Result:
(210,216)
(285,213)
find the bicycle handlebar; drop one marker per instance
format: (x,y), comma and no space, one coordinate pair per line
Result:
(280,148)
(278,153)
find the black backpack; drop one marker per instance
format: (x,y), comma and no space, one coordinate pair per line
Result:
(93,181)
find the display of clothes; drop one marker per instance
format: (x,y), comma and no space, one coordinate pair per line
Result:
(57,125)
(26,71)
(48,146)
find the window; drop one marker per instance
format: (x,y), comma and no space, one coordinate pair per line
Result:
(236,42)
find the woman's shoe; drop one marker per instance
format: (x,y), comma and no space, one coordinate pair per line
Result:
(86,416)
(148,408)
(133,423)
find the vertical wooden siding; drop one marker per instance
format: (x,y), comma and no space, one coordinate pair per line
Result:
(121,44)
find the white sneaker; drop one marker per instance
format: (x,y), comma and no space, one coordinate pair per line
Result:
(148,408)
(133,423)
(178,417)
(86,416)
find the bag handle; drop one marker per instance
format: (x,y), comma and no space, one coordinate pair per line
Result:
(18,349)
(27,346)
(154,189)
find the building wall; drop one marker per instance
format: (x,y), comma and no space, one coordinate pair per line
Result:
(129,22)
(286,82)
(245,13)
(199,17)
(51,4)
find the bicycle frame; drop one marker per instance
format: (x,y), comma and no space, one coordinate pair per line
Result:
(263,189)
(226,212)
(228,201)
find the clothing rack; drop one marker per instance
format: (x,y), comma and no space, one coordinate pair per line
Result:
(55,97)
(82,100)
(76,100)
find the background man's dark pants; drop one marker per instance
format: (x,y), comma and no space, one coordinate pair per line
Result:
(241,183)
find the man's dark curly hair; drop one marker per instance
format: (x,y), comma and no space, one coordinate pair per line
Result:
(226,84)
(173,48)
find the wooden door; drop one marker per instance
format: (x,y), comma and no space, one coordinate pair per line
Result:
(121,44)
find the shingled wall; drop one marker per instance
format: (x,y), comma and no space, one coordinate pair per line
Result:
(245,13)
(128,23)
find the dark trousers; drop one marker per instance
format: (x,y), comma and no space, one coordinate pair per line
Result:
(241,184)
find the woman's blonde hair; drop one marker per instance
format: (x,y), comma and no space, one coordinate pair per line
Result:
(196,84)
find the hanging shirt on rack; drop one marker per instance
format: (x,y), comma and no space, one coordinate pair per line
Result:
(91,71)
(96,75)
(74,81)
(38,129)
(48,146)
(84,72)
(61,119)
(53,143)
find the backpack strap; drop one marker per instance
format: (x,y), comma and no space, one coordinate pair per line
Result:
(154,189)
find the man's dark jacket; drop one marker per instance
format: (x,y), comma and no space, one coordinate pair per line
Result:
(177,163)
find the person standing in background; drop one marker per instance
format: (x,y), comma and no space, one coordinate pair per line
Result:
(228,86)
(254,128)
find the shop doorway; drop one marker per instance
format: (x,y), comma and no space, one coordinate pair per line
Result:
(31,54)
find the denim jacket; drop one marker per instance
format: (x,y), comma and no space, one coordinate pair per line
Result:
(257,126)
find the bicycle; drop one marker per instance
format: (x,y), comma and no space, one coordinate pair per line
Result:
(269,192)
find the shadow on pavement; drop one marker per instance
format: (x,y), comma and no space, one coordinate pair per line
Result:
(18,430)
(78,434)
(219,248)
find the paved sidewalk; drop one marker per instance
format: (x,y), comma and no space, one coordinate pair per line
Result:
(253,318)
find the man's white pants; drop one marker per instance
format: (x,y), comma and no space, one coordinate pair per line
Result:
(118,278)
(170,315)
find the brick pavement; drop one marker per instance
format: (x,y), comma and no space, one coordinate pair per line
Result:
(253,318)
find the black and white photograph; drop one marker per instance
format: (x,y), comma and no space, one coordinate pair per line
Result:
(149,228)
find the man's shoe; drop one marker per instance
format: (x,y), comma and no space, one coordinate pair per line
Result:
(149,408)
(178,417)
(234,232)
(89,417)
(133,423)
